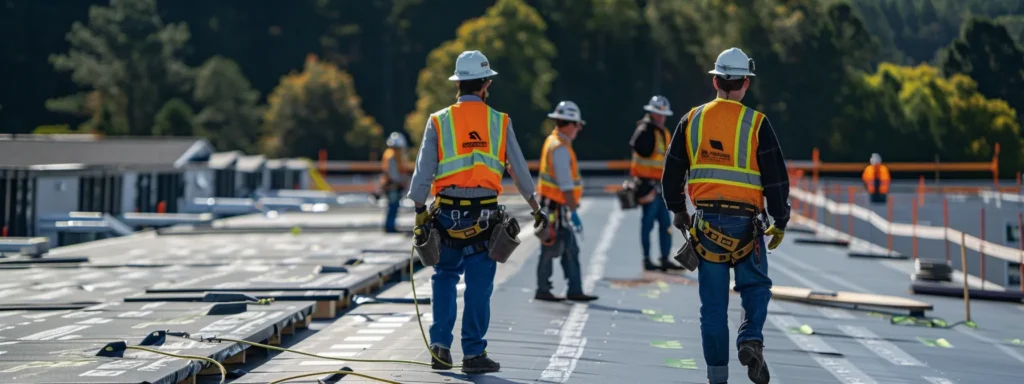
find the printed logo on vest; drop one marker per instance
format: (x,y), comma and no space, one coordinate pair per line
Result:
(474,141)
(717,154)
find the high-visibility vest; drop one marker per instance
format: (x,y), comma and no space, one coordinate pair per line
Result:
(881,175)
(385,163)
(470,146)
(722,140)
(548,186)
(652,166)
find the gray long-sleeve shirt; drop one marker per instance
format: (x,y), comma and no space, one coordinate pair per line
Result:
(426,166)
(563,167)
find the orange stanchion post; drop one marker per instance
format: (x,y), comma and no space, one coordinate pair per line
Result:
(838,221)
(161,207)
(1018,187)
(995,171)
(945,226)
(322,162)
(807,204)
(849,216)
(913,227)
(888,230)
(920,191)
(1020,245)
(5,231)
(815,163)
(981,247)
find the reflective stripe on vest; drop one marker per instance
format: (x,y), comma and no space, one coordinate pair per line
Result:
(489,154)
(724,163)
(651,167)
(548,184)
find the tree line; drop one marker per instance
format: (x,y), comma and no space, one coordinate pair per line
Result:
(910,79)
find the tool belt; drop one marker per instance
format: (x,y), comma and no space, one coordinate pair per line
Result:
(556,220)
(475,235)
(737,250)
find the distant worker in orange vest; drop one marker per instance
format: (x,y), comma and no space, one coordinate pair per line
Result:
(465,151)
(395,178)
(876,179)
(561,188)
(650,143)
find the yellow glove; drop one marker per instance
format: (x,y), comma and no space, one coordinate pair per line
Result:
(776,234)
(422,217)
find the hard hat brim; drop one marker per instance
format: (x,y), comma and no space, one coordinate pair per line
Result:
(738,73)
(488,73)
(566,118)
(667,112)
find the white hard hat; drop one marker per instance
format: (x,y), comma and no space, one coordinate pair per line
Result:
(472,65)
(396,140)
(876,159)
(659,105)
(733,64)
(567,111)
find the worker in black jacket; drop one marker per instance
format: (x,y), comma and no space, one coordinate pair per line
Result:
(650,143)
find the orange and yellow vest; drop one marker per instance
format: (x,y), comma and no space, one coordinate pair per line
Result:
(470,146)
(652,166)
(385,163)
(721,138)
(548,186)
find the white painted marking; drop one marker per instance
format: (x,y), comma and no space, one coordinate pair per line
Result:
(364,338)
(809,343)
(572,343)
(395,319)
(844,370)
(385,325)
(321,362)
(839,367)
(375,331)
(879,346)
(832,313)
(55,333)
(788,259)
(937,380)
(1009,351)
(351,346)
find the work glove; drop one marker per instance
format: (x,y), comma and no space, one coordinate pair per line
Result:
(540,219)
(576,221)
(682,221)
(422,217)
(776,234)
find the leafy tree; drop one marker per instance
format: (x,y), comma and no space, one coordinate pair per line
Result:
(130,58)
(175,118)
(318,109)
(511,35)
(230,117)
(986,52)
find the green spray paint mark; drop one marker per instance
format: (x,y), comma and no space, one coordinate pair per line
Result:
(803,329)
(971,324)
(671,344)
(663,318)
(1015,341)
(681,363)
(662,285)
(876,314)
(651,294)
(939,323)
(649,312)
(940,342)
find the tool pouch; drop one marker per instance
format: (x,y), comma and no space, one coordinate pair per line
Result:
(627,195)
(504,238)
(687,255)
(427,243)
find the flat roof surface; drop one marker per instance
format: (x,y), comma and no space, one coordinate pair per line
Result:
(164,151)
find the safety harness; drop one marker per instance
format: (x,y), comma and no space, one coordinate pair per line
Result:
(470,207)
(736,249)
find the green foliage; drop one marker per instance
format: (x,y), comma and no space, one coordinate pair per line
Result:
(230,117)
(986,52)
(511,35)
(130,61)
(175,118)
(62,129)
(318,108)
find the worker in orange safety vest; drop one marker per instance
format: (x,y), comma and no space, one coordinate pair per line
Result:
(877,179)
(395,177)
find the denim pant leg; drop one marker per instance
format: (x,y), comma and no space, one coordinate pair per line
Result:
(754,286)
(392,213)
(443,294)
(571,263)
(713,287)
(649,212)
(476,316)
(545,264)
(664,218)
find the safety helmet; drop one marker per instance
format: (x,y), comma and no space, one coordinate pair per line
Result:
(659,105)
(733,64)
(567,111)
(396,140)
(472,65)
(876,159)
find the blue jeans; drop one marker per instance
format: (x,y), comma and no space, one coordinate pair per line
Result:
(479,269)
(656,210)
(752,283)
(394,202)
(569,251)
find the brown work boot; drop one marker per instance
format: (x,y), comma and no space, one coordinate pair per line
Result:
(751,355)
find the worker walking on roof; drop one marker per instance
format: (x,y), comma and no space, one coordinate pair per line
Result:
(395,178)
(877,179)
(561,188)
(734,163)
(650,143)
(464,153)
